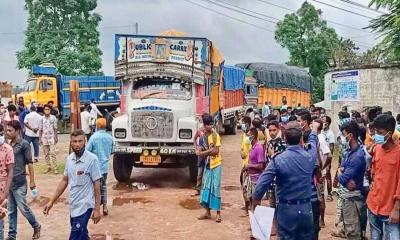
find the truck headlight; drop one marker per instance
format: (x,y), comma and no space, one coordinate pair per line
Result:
(120,133)
(185,134)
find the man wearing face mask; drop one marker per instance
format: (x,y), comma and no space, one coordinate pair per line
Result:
(351,177)
(304,119)
(330,138)
(284,116)
(6,173)
(254,167)
(244,153)
(82,177)
(384,197)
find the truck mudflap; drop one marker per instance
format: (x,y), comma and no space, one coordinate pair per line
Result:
(162,150)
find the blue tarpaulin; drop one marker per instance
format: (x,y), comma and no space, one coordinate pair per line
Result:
(233,78)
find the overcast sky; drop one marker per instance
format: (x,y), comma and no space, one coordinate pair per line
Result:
(239,42)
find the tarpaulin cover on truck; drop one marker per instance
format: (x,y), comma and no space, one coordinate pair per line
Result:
(233,77)
(280,75)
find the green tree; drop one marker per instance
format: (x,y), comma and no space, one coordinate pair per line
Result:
(310,43)
(63,33)
(388,25)
(345,53)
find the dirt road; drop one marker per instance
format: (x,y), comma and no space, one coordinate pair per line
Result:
(165,211)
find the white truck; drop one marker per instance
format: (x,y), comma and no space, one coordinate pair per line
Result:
(165,88)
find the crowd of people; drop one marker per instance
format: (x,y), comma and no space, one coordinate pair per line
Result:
(287,157)
(85,172)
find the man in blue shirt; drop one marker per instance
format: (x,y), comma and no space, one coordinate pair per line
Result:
(101,144)
(82,177)
(351,177)
(293,170)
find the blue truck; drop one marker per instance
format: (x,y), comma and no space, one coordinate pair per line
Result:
(46,84)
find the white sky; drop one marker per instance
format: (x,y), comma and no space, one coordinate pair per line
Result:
(238,42)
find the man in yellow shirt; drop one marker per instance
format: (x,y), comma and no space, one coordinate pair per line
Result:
(245,147)
(210,197)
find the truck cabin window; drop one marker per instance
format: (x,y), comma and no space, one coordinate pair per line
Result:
(251,90)
(46,85)
(161,89)
(30,85)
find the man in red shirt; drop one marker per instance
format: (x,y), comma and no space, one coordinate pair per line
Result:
(384,196)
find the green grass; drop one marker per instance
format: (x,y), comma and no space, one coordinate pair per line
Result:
(41,167)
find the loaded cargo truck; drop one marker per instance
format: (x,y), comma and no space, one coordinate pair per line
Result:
(278,82)
(168,82)
(46,84)
(227,99)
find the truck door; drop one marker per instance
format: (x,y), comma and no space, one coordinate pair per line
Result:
(47,91)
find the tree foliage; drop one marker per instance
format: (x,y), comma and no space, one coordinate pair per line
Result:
(310,43)
(388,25)
(63,33)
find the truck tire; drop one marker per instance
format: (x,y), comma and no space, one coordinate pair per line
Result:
(122,165)
(232,128)
(193,169)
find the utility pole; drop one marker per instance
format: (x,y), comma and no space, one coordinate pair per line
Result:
(136,28)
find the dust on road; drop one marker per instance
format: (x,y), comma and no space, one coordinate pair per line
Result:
(165,211)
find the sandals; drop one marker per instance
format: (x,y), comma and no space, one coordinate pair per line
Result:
(219,219)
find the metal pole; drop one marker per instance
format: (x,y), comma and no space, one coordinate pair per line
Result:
(136,28)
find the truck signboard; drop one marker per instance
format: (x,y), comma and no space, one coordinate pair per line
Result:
(185,51)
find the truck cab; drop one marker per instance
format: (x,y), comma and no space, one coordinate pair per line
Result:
(250,90)
(40,89)
(165,83)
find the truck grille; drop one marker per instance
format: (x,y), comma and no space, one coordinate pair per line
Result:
(152,124)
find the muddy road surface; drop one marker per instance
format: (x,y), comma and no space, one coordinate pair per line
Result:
(165,211)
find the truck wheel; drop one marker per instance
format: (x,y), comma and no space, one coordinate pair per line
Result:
(193,169)
(122,165)
(231,129)
(234,126)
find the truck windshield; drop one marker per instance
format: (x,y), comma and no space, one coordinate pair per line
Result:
(30,85)
(161,89)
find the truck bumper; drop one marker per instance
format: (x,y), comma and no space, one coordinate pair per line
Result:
(166,151)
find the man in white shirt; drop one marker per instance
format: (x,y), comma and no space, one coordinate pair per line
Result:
(330,139)
(32,123)
(94,112)
(325,155)
(86,121)
(265,111)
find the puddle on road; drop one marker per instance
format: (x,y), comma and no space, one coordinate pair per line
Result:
(103,237)
(231,188)
(41,201)
(190,203)
(119,201)
(122,187)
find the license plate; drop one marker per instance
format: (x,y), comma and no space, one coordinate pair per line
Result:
(150,160)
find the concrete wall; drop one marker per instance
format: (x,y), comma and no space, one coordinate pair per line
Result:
(378,86)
